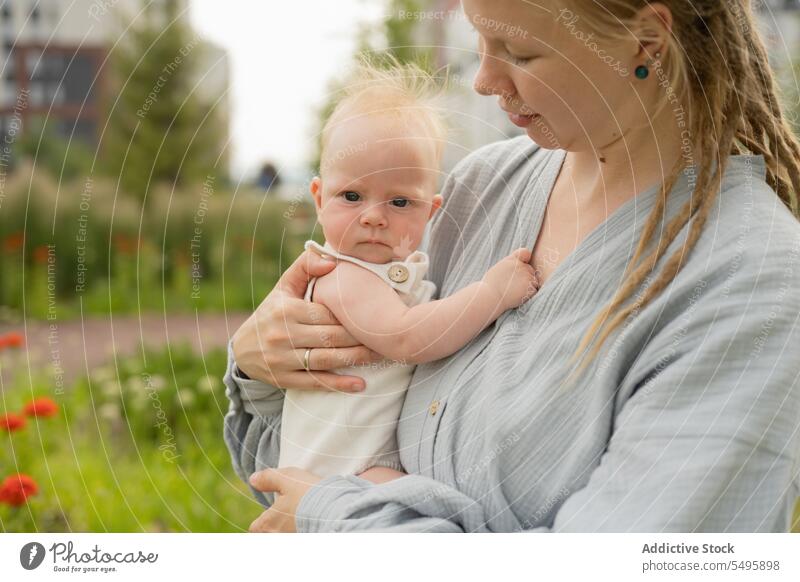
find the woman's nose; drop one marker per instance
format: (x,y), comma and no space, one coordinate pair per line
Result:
(491,78)
(374,216)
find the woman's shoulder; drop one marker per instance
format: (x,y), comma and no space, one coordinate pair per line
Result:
(751,240)
(500,157)
(749,215)
(480,181)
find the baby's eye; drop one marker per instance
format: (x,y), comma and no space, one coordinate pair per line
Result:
(351,196)
(401,202)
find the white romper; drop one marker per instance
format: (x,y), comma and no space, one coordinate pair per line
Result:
(337,433)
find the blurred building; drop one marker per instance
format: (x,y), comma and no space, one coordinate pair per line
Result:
(51,63)
(51,66)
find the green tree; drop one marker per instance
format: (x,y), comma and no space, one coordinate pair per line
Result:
(160,130)
(64,159)
(399,33)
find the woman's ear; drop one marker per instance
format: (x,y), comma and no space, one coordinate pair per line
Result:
(653,29)
(316,191)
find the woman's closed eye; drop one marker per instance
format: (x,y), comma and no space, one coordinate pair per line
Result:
(518,59)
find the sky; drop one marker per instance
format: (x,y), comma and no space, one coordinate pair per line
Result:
(281,56)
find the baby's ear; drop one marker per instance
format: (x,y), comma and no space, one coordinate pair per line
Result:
(436,203)
(315,187)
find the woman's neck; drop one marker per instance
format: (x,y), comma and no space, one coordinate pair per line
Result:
(632,164)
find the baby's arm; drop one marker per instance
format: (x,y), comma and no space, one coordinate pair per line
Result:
(375,315)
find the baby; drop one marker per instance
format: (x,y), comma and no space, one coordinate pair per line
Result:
(376,191)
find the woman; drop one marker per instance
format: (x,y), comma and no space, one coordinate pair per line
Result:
(652,383)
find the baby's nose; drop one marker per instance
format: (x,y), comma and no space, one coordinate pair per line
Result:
(374,216)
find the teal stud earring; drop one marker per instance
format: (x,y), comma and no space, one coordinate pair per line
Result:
(643,71)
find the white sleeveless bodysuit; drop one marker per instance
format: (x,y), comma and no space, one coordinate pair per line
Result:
(336,433)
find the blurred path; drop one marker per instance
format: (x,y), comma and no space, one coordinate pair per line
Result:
(75,344)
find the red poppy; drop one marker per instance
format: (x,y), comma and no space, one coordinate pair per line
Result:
(13,242)
(11,422)
(41,253)
(12,340)
(247,243)
(126,245)
(16,489)
(41,407)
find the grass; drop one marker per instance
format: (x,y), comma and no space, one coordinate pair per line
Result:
(108,463)
(135,447)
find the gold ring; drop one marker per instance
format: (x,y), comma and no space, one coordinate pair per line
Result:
(306,358)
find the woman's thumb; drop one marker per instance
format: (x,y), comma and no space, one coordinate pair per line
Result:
(309,264)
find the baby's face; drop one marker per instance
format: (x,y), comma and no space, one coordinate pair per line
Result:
(377,190)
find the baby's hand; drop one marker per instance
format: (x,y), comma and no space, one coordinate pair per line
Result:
(513,279)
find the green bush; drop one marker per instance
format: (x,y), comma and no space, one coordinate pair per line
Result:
(179,250)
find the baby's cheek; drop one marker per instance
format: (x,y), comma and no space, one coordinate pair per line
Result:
(412,230)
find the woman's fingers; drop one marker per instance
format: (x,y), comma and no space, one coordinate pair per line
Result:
(334,358)
(306,312)
(316,380)
(295,279)
(332,336)
(262,524)
(322,336)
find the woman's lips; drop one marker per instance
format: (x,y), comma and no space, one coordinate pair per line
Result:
(521,120)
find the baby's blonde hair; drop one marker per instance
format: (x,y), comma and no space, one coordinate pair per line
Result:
(401,91)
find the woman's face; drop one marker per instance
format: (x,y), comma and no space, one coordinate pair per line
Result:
(568,90)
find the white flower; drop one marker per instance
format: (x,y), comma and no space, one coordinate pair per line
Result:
(108,411)
(186,396)
(157,383)
(103,374)
(135,391)
(110,388)
(208,384)
(135,384)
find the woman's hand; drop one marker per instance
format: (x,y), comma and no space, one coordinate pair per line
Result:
(270,345)
(289,485)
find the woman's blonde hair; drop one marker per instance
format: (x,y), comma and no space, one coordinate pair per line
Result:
(381,85)
(717,65)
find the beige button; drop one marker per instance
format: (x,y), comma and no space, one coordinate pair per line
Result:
(434,407)
(398,273)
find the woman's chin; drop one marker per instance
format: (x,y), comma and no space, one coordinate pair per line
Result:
(543,136)
(542,142)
